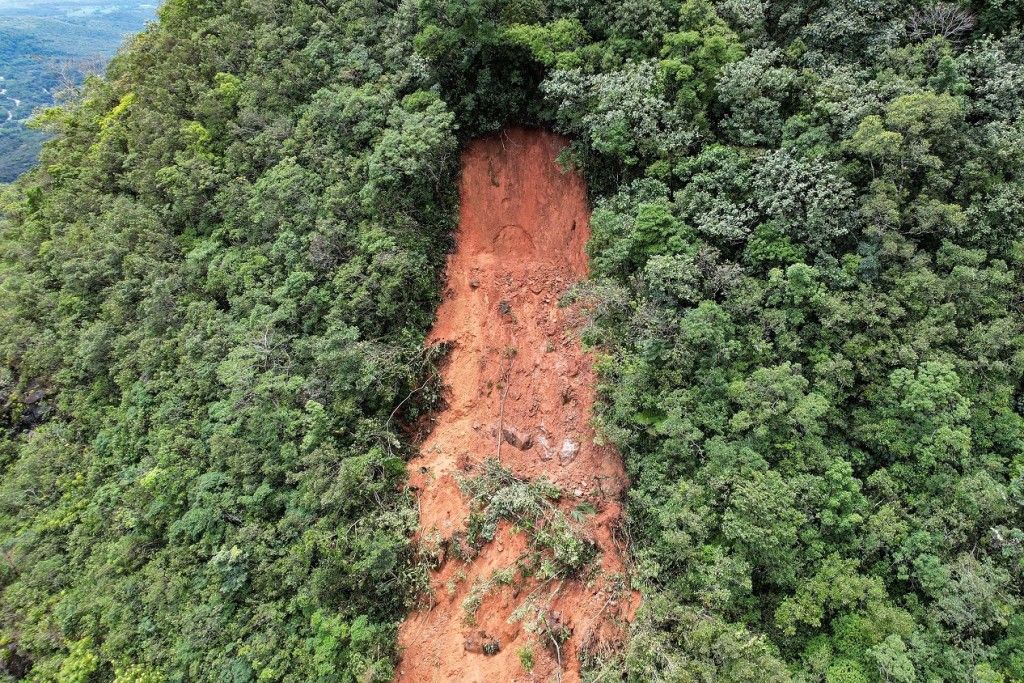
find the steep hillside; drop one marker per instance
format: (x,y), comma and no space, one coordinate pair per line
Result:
(802,295)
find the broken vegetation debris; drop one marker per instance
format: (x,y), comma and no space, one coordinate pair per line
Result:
(561,547)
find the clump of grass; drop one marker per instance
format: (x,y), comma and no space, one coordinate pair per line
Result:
(454,581)
(504,577)
(526,659)
(559,548)
(602,663)
(471,603)
(432,548)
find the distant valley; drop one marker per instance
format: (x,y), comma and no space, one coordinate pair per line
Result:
(47,46)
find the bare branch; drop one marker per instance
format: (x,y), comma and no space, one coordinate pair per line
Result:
(941,19)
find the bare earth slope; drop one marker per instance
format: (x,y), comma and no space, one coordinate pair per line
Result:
(516,367)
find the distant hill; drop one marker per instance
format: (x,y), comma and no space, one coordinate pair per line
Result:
(46,46)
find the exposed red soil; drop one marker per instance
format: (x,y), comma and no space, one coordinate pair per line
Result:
(515,363)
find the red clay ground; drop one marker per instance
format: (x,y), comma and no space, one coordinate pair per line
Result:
(522,231)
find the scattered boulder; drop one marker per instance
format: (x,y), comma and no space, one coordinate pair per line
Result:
(570,449)
(482,643)
(492,647)
(33,396)
(13,662)
(513,437)
(547,451)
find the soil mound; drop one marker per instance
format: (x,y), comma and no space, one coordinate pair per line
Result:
(520,392)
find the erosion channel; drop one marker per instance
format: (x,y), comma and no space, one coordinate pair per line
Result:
(518,505)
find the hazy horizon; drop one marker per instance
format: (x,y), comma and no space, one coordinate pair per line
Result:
(44,46)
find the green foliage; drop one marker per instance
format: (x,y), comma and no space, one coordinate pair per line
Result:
(550,44)
(526,659)
(671,641)
(80,664)
(810,344)
(204,348)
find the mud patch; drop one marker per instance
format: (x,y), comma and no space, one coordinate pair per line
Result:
(520,393)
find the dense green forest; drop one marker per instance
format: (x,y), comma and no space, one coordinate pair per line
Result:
(46,48)
(807,298)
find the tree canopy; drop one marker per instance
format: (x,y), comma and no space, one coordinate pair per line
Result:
(806,299)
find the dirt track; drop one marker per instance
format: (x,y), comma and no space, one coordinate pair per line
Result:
(515,366)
